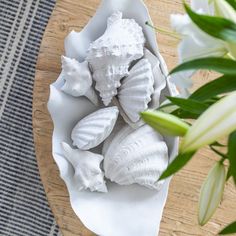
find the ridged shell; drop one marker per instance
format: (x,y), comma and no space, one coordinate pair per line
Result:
(111,54)
(136,90)
(94,128)
(136,156)
(78,79)
(159,79)
(88,174)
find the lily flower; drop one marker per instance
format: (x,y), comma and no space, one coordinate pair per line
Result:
(197,44)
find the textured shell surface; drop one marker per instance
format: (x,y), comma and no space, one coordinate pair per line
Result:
(159,79)
(136,156)
(78,79)
(136,90)
(88,174)
(111,54)
(93,129)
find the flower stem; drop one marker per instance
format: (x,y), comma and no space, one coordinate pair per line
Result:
(219,153)
(164,31)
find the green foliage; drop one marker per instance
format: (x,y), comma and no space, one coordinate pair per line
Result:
(232,155)
(230,229)
(178,163)
(221,65)
(196,104)
(222,85)
(217,27)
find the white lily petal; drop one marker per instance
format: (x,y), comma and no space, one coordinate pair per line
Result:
(195,43)
(217,121)
(183,79)
(190,49)
(202,5)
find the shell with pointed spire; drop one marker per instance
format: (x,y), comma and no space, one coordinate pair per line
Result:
(136,90)
(94,128)
(78,79)
(111,54)
(88,174)
(136,156)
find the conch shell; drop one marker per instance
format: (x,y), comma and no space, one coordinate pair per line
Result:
(94,128)
(136,156)
(111,54)
(78,79)
(136,90)
(88,174)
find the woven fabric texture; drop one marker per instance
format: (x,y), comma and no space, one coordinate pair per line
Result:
(23,206)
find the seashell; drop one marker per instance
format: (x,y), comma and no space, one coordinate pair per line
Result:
(78,79)
(136,156)
(136,90)
(94,128)
(159,78)
(88,174)
(111,54)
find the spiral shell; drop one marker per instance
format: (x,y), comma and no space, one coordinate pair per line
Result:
(94,128)
(136,156)
(111,54)
(78,79)
(88,174)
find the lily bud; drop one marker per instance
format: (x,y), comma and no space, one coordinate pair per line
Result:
(211,193)
(223,9)
(165,123)
(217,121)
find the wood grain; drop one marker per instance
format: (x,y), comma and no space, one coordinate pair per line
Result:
(180,213)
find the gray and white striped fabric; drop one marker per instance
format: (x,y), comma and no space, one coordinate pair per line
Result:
(23,206)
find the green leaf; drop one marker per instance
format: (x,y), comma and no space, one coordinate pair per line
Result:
(229,229)
(179,162)
(211,193)
(232,3)
(165,123)
(232,155)
(215,26)
(182,114)
(189,105)
(221,65)
(224,84)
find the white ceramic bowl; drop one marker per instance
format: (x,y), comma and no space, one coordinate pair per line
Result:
(124,210)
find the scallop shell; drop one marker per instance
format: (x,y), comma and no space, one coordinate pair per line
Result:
(88,174)
(111,54)
(136,156)
(94,128)
(78,79)
(136,90)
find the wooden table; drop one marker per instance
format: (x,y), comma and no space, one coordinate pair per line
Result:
(180,213)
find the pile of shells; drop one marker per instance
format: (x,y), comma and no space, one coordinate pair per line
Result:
(122,78)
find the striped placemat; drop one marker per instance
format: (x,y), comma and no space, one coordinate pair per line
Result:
(23,206)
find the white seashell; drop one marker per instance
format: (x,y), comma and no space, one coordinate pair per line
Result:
(111,54)
(78,79)
(94,128)
(159,78)
(136,156)
(88,174)
(136,90)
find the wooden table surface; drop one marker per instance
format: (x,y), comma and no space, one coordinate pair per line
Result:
(180,213)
